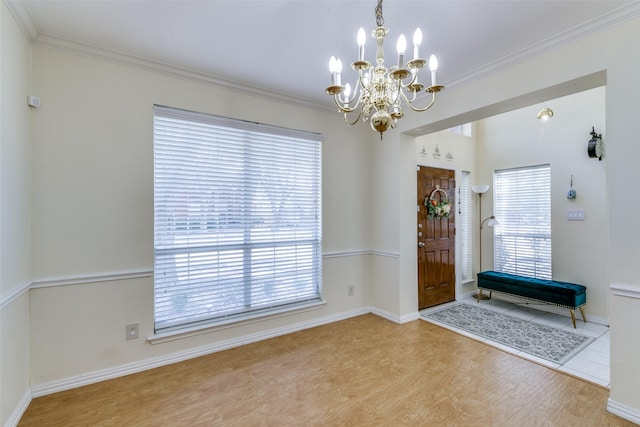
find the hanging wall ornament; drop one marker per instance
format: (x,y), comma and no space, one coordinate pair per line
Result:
(571,194)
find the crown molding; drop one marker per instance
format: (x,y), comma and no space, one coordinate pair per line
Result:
(601,23)
(170,70)
(23,17)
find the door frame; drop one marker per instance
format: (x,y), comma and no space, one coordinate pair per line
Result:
(457,175)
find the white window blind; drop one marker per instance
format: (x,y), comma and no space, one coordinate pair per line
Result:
(464,225)
(237,227)
(523,210)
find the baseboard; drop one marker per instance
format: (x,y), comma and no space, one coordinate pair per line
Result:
(18,411)
(623,411)
(465,295)
(156,362)
(394,317)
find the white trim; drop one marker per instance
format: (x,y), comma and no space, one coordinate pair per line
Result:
(466,295)
(23,17)
(571,35)
(143,365)
(346,253)
(14,294)
(90,278)
(385,254)
(18,411)
(406,318)
(72,280)
(394,317)
(361,252)
(623,290)
(170,70)
(598,320)
(136,274)
(232,323)
(623,411)
(385,314)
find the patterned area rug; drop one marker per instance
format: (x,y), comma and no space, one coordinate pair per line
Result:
(547,342)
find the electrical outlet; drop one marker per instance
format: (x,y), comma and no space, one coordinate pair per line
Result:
(132,331)
(351,290)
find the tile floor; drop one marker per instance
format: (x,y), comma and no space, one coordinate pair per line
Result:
(591,364)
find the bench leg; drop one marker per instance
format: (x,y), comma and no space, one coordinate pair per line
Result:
(582,312)
(573,318)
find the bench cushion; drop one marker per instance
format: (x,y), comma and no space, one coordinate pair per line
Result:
(563,294)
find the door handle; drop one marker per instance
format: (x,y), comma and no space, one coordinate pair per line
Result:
(421,244)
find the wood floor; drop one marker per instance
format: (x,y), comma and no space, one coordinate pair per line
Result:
(364,371)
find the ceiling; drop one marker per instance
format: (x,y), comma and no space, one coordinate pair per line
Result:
(282,48)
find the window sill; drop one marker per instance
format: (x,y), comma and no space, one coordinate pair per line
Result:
(232,323)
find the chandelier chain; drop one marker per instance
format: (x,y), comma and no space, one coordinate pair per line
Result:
(379,18)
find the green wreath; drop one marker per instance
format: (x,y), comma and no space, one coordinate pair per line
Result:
(438,208)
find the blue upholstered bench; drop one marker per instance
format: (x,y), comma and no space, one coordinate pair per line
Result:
(567,295)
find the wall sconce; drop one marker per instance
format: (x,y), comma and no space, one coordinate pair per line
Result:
(545,114)
(490,222)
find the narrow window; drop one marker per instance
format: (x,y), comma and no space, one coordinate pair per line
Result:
(237,227)
(523,209)
(464,225)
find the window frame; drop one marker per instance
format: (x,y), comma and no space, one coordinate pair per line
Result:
(268,251)
(523,236)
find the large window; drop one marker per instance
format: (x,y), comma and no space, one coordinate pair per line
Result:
(237,227)
(523,210)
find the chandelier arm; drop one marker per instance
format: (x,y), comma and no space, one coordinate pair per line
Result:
(361,81)
(414,78)
(357,95)
(341,106)
(355,121)
(413,97)
(419,110)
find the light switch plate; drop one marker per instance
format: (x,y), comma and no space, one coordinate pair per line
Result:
(575,214)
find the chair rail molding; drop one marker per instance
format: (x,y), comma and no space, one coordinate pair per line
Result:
(625,290)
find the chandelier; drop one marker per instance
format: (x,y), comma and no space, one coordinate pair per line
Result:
(379,92)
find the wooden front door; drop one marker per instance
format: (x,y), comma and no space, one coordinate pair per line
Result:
(436,237)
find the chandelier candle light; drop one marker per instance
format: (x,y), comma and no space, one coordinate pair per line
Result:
(380,93)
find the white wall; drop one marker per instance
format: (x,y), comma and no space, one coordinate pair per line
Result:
(93,212)
(15,159)
(92,201)
(516,139)
(610,55)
